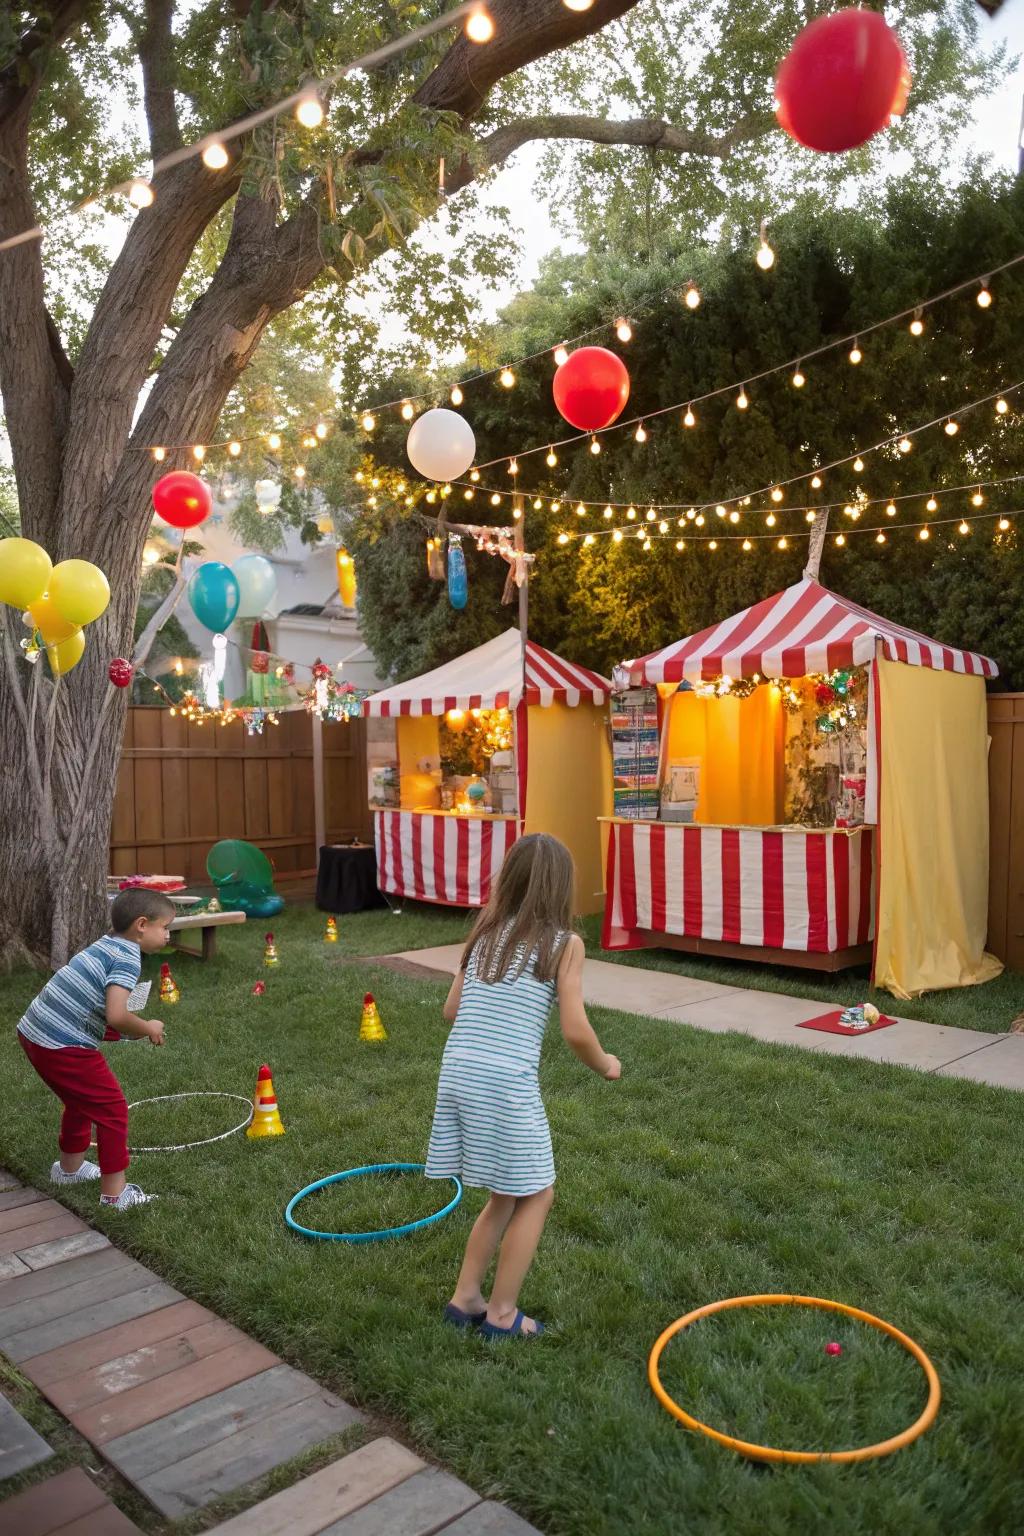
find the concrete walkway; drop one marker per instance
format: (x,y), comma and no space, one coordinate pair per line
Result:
(186,1406)
(773,1017)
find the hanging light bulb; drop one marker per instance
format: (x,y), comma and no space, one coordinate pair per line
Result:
(495,499)
(588,540)
(469,493)
(623,329)
(552,458)
(474,475)
(300,474)
(952,428)
(595,446)
(563,538)
(734,517)
(561,354)
(924,534)
(513,466)
(647,546)
(215,156)
(159,454)
(783,543)
(577,5)
(890,510)
(856,355)
(369,422)
(198,453)
(274,442)
(713,544)
(689,420)
(309,110)
(931,505)
(765,256)
(1001,407)
(778,493)
(858,466)
(663,526)
(840,539)
(507,378)
(691,298)
(640,434)
(965,527)
(617,536)
(680,545)
(556,506)
(719,510)
(771,519)
(581,510)
(608,514)
(879,537)
(631,513)
(799,379)
(691,514)
(984,298)
(479,26)
(456,396)
(816,483)
(321,432)
(408,410)
(537,503)
(810,515)
(905,445)
(651,514)
(699,520)
(977,499)
(432,496)
(746,545)
(1004,523)
(141,194)
(234,448)
(309,441)
(917,324)
(741,399)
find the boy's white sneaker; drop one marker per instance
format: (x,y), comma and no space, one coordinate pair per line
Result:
(84,1175)
(130,1196)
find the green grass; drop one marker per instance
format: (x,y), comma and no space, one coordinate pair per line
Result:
(717,1166)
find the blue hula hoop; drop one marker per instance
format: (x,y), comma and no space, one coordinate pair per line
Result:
(368,1237)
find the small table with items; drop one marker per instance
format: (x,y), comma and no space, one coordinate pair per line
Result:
(346,878)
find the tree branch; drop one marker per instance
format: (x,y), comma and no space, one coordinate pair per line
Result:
(156,56)
(22,72)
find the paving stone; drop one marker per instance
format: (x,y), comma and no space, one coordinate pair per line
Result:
(490,1519)
(1001,1064)
(126,1411)
(57,1303)
(20,1446)
(419,1506)
(310,1505)
(20,1216)
(252,1452)
(107,1521)
(74,1246)
(59,1276)
(69,1361)
(11,1199)
(42,1232)
(11,1265)
(52,1505)
(78,1325)
(108,1378)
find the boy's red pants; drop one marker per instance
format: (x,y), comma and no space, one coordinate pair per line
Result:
(91,1095)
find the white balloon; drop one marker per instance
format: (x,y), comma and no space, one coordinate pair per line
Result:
(257,585)
(441,445)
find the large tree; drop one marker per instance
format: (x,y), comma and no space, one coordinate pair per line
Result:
(293,211)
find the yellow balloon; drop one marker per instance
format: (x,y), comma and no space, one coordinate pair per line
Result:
(51,625)
(66,656)
(79,591)
(24,571)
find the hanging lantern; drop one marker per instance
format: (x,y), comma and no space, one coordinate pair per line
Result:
(458,581)
(435,560)
(346,577)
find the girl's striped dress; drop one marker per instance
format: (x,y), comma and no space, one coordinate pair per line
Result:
(489,1123)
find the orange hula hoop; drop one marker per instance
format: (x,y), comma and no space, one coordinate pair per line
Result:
(772,1453)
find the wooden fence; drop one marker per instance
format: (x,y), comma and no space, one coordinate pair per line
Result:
(183,787)
(1006,844)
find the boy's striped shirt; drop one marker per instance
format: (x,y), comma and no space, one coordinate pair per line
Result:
(71,1008)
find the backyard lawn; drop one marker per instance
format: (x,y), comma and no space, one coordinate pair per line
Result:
(717,1166)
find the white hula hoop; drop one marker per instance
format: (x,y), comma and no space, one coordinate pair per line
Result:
(186,1146)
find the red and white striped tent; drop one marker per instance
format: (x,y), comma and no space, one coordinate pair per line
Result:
(491,677)
(804,629)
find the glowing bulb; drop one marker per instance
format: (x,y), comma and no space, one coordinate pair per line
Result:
(474,475)
(858,466)
(741,399)
(563,538)
(577,5)
(561,355)
(595,446)
(631,513)
(816,483)
(651,514)
(469,494)
(274,443)
(495,499)
(556,506)
(150,554)
(952,428)
(905,445)
(300,474)
(513,466)
(931,505)
(647,546)
(890,510)
(457,396)
(746,545)
(689,420)
(964,527)
(581,510)
(699,520)
(432,497)
(680,544)
(369,422)
(984,296)
(771,520)
(778,493)
(199,453)
(623,330)
(782,544)
(924,534)
(663,527)
(321,433)
(159,454)
(537,503)
(588,540)
(799,380)
(215,156)
(691,298)
(977,499)
(617,536)
(810,515)
(765,256)
(1004,523)
(479,26)
(608,514)
(408,411)
(309,110)
(141,194)
(856,354)
(552,458)
(840,539)
(1001,407)
(234,448)
(640,434)
(309,441)
(734,517)
(506,378)
(719,510)
(917,324)
(879,537)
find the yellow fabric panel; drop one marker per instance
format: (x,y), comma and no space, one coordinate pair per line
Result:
(739,744)
(933,891)
(569,785)
(418,737)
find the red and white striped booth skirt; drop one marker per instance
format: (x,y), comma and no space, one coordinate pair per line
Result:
(788,889)
(441,856)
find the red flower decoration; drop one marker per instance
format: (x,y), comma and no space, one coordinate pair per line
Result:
(824,694)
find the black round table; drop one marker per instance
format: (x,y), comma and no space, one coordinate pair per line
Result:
(346,879)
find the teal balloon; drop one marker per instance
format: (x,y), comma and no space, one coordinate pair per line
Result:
(257,585)
(213,594)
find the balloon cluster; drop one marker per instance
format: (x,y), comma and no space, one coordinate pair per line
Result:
(57,601)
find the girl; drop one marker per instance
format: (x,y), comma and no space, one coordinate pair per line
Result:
(489,1124)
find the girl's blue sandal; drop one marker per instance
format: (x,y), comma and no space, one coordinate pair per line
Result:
(516,1331)
(460,1319)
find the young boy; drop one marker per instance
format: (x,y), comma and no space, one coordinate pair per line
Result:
(61,1031)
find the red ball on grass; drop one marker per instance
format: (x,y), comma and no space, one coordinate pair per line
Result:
(833,1348)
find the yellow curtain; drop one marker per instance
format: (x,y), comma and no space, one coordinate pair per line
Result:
(569,785)
(933,892)
(739,744)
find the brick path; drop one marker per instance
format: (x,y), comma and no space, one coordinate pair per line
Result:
(186,1406)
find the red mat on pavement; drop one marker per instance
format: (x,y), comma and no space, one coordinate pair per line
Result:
(830,1025)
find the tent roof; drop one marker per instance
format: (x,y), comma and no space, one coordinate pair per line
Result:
(804,629)
(491,677)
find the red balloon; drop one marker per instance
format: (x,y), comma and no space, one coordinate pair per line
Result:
(182,499)
(591,388)
(120,672)
(841,82)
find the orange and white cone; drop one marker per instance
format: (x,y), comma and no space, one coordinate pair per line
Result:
(266,1119)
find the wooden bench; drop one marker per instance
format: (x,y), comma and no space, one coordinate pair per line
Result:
(207,923)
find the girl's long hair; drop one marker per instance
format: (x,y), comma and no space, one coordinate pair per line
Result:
(529,911)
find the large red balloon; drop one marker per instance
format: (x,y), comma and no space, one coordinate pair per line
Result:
(844,78)
(182,499)
(591,388)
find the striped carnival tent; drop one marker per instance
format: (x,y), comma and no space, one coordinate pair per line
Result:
(804,629)
(492,677)
(899,879)
(560,767)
